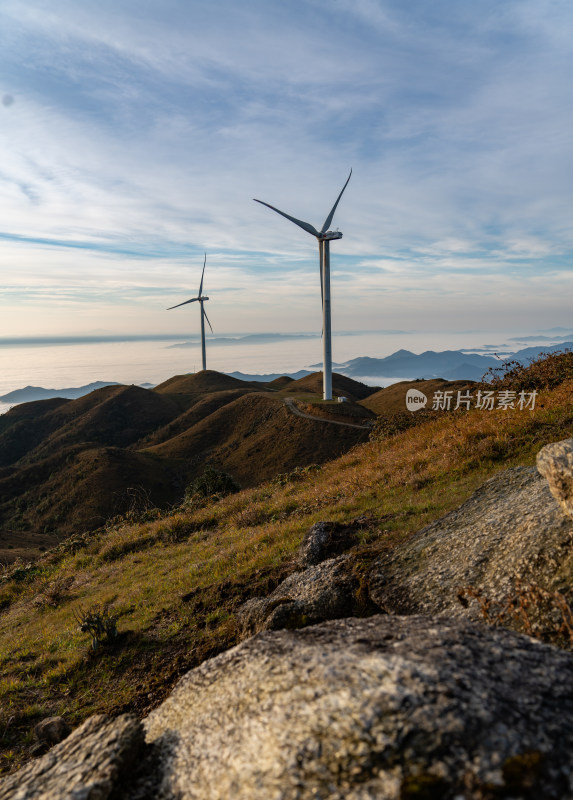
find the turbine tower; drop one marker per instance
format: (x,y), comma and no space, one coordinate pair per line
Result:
(324,237)
(204,316)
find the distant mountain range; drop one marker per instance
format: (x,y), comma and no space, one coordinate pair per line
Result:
(251,338)
(448,364)
(402,365)
(270,376)
(31,393)
(568,336)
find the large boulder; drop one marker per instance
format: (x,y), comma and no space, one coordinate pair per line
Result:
(392,708)
(510,530)
(384,708)
(95,762)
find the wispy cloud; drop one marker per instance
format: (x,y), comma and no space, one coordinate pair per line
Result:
(139,134)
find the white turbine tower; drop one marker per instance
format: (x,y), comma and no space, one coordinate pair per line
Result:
(324,237)
(204,316)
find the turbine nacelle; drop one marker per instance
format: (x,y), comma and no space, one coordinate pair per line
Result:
(323,235)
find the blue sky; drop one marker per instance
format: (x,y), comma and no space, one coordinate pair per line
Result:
(134,135)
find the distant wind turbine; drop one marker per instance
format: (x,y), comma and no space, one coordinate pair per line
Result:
(324,237)
(204,316)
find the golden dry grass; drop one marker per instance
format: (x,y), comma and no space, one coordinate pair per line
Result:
(175,581)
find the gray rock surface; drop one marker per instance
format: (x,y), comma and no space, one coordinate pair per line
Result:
(90,764)
(555,463)
(325,540)
(326,591)
(384,707)
(511,527)
(52,730)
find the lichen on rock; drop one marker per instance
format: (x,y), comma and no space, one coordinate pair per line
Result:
(363,709)
(510,528)
(555,463)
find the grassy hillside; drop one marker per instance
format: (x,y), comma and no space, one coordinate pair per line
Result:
(68,465)
(341,386)
(256,437)
(115,416)
(174,582)
(392,399)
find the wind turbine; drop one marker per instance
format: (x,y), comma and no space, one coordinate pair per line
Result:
(324,237)
(204,316)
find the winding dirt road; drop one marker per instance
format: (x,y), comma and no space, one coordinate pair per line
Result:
(291,405)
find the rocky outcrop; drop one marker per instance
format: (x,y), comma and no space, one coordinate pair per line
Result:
(48,732)
(357,709)
(425,706)
(325,540)
(325,587)
(555,463)
(325,591)
(93,763)
(384,707)
(511,528)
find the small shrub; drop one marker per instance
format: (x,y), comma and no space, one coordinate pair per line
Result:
(99,623)
(21,572)
(176,530)
(212,483)
(53,592)
(545,372)
(138,508)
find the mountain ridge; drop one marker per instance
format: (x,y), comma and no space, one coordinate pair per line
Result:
(402,364)
(73,463)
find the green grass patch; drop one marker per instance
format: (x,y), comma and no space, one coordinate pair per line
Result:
(174,583)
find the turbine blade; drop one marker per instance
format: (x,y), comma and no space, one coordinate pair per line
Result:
(304,225)
(206,317)
(202,275)
(184,304)
(326,225)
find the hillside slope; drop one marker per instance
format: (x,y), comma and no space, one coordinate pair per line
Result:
(255,437)
(341,386)
(114,415)
(392,399)
(174,585)
(199,408)
(79,488)
(69,465)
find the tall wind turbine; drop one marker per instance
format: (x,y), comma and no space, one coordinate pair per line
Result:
(324,237)
(204,316)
